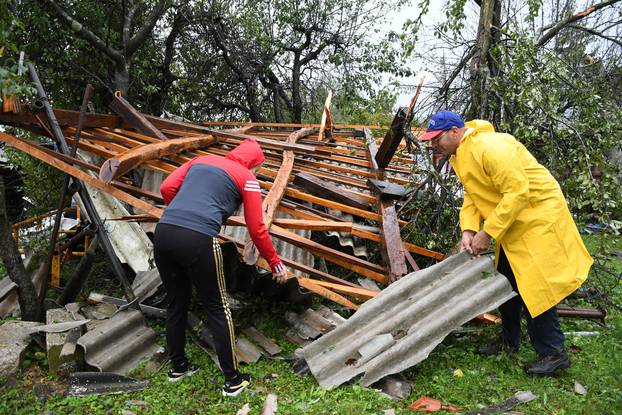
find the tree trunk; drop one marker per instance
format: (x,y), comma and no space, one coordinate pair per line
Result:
(251,99)
(296,98)
(80,275)
(27,295)
(479,70)
(122,79)
(278,112)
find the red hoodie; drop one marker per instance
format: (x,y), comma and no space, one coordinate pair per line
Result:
(202,193)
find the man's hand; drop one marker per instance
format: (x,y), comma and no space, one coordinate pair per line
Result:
(480,243)
(280,276)
(467,240)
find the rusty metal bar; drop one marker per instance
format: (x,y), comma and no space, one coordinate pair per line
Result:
(66,177)
(576,312)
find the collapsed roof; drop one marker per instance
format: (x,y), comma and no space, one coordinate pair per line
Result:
(324,178)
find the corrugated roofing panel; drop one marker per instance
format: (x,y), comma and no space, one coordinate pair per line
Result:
(120,343)
(402,325)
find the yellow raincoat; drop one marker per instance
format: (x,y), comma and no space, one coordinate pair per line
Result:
(524,210)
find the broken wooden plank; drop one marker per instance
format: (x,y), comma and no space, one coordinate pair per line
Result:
(391,140)
(277,191)
(393,247)
(116,167)
(325,117)
(272,200)
(308,225)
(268,345)
(79,174)
(137,120)
(327,190)
(358,292)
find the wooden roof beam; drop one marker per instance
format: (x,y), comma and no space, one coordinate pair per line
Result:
(392,245)
(80,175)
(321,188)
(117,166)
(134,118)
(272,200)
(391,140)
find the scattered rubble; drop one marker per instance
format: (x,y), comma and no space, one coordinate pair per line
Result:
(270,405)
(14,339)
(94,383)
(507,405)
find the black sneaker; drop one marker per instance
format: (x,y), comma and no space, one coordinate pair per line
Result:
(496,347)
(178,374)
(548,365)
(236,386)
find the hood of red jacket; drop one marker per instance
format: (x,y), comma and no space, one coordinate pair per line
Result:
(247,153)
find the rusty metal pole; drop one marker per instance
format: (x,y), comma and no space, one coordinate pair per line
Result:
(82,190)
(63,194)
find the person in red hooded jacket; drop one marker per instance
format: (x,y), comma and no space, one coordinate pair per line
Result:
(200,196)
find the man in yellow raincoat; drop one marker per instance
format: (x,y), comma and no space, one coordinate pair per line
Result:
(510,197)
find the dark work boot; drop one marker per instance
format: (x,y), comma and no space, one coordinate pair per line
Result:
(496,347)
(548,365)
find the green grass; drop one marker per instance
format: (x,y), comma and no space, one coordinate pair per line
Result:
(596,364)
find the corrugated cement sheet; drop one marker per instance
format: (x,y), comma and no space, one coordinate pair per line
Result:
(120,343)
(401,326)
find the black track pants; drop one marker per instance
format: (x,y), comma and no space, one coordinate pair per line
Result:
(185,258)
(544,330)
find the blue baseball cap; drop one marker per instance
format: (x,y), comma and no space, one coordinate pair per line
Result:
(442,121)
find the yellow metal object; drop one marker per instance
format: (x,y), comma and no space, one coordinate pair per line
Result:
(55,271)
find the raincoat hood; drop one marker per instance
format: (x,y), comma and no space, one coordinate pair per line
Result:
(480,126)
(247,153)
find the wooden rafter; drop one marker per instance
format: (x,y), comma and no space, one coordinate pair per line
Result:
(131,116)
(272,200)
(79,174)
(117,166)
(327,190)
(393,247)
